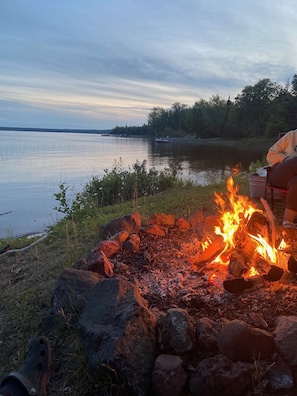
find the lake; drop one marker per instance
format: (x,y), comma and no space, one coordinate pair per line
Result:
(34,164)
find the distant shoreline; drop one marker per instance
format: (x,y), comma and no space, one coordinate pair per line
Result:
(65,130)
(265,143)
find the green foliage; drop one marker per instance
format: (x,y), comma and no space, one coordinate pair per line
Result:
(61,197)
(120,184)
(261,110)
(256,165)
(67,206)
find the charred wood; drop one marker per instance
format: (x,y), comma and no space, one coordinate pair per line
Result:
(210,253)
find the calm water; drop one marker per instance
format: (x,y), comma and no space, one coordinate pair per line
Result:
(33,164)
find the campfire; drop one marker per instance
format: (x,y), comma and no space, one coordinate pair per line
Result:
(246,243)
(184,279)
(191,262)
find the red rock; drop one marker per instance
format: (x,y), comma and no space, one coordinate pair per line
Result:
(162,219)
(155,230)
(108,247)
(182,224)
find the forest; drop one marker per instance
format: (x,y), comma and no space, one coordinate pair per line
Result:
(262,110)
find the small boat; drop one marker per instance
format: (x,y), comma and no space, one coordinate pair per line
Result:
(162,140)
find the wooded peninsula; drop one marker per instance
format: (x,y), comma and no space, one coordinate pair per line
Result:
(262,110)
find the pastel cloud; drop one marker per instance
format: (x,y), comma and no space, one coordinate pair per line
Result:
(101,64)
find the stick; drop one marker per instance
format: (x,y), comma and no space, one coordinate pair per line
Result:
(13,251)
(270,218)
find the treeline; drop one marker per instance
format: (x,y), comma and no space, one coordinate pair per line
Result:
(261,110)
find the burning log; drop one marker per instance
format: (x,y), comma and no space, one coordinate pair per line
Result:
(270,220)
(270,271)
(262,265)
(239,285)
(210,253)
(292,264)
(257,224)
(238,265)
(274,274)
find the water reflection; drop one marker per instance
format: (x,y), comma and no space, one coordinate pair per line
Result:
(33,164)
(205,162)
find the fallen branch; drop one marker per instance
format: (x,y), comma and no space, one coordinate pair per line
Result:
(3,214)
(15,251)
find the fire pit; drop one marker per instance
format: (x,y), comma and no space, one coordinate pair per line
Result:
(206,263)
(236,265)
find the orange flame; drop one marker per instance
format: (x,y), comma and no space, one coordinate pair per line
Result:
(212,277)
(236,210)
(253,272)
(265,250)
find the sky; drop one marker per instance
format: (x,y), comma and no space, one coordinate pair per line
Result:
(97,64)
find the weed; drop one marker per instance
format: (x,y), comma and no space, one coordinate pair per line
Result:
(118,185)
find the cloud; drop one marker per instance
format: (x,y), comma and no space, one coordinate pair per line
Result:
(111,62)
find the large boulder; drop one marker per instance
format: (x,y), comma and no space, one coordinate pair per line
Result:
(118,329)
(72,290)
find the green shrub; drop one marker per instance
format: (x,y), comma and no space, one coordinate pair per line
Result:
(119,185)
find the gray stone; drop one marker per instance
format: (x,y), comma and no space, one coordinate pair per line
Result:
(207,332)
(72,290)
(176,332)
(169,376)
(285,336)
(239,341)
(280,375)
(99,263)
(118,329)
(218,376)
(130,223)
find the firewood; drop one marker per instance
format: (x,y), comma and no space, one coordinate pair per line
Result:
(237,285)
(257,224)
(238,264)
(274,274)
(292,264)
(210,253)
(261,264)
(271,221)
(247,247)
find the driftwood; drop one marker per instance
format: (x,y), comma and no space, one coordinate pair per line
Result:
(5,249)
(16,251)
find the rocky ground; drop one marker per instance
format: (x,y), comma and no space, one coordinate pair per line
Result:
(163,263)
(167,277)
